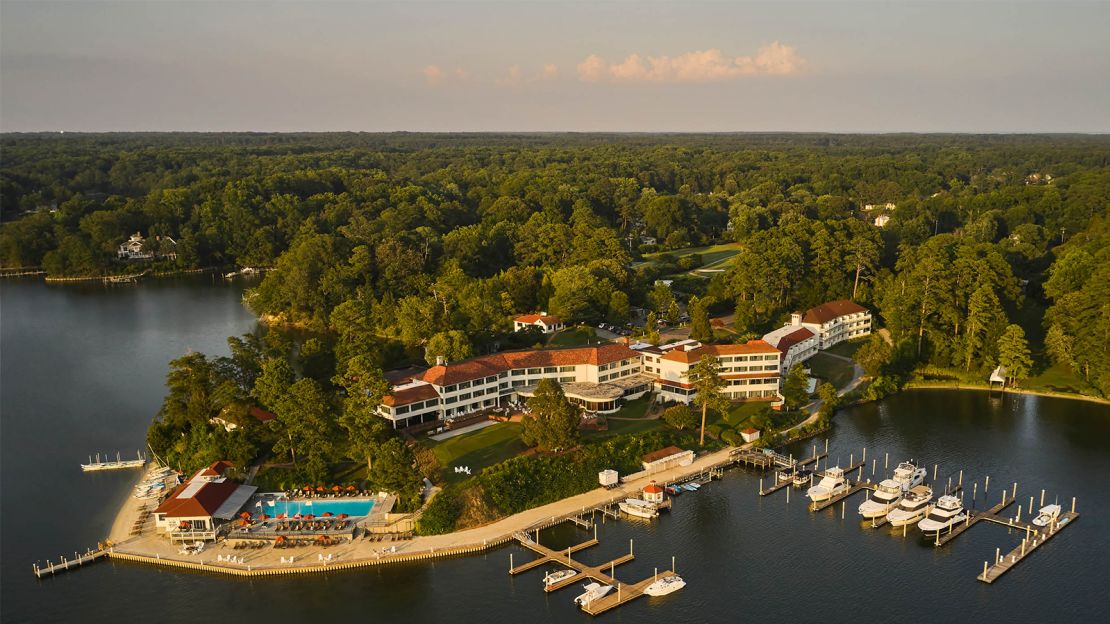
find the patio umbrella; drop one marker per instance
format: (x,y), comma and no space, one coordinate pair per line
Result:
(319,488)
(183,524)
(309,517)
(281,516)
(280,538)
(335,488)
(341,516)
(244,522)
(263,517)
(327,514)
(308,488)
(245,514)
(351,488)
(297,516)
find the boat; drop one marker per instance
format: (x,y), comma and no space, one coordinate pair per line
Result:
(786,474)
(592,593)
(831,484)
(554,577)
(1046,515)
(693,486)
(674,490)
(947,513)
(913,507)
(638,508)
(118,464)
(802,477)
(909,475)
(666,585)
(886,497)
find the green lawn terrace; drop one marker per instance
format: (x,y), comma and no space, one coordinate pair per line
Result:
(709,260)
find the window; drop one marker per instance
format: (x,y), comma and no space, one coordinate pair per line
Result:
(566,369)
(402,409)
(465,384)
(517,372)
(535,371)
(464,396)
(450,388)
(450,400)
(550,369)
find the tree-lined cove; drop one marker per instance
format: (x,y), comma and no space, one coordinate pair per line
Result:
(389,255)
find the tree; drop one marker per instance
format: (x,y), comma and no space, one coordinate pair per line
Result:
(273,382)
(308,429)
(364,387)
(984,313)
(553,423)
(700,328)
(680,417)
(795,388)
(1013,353)
(1060,347)
(705,376)
(874,355)
(394,469)
(452,345)
(830,399)
(651,329)
(660,298)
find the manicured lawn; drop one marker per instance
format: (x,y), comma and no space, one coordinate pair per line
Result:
(834,370)
(740,413)
(477,449)
(1058,379)
(848,349)
(714,256)
(617,427)
(574,337)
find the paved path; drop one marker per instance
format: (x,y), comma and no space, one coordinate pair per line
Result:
(815,406)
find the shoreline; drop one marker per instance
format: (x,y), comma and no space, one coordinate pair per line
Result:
(1045,393)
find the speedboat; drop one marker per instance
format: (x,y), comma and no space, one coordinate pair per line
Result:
(948,512)
(667,584)
(592,593)
(909,475)
(913,507)
(831,484)
(802,477)
(1046,515)
(693,486)
(886,498)
(554,577)
(638,508)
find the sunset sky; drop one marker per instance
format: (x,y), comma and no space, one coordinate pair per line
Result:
(544,65)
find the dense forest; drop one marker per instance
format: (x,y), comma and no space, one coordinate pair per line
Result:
(995,249)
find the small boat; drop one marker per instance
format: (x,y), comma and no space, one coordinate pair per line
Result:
(554,577)
(674,490)
(593,592)
(786,474)
(947,513)
(1046,515)
(693,487)
(913,507)
(802,477)
(908,475)
(887,495)
(830,485)
(638,508)
(666,585)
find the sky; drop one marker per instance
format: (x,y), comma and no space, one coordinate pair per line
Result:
(546,65)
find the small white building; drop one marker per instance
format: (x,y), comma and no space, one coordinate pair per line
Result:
(546,324)
(667,458)
(750,434)
(882,220)
(133,248)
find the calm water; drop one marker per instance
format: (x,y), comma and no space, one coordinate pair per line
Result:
(82,371)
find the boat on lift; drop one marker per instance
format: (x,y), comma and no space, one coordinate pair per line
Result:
(639,508)
(554,577)
(592,593)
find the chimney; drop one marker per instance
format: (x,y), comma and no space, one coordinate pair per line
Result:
(440,360)
(543,313)
(796,318)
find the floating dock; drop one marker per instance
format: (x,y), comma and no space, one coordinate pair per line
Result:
(78,560)
(1033,540)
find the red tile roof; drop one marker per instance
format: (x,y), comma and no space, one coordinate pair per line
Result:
(794,338)
(651,488)
(828,311)
(203,503)
(532,318)
(414,394)
(216,469)
(749,430)
(662,453)
(261,415)
(717,350)
(487,365)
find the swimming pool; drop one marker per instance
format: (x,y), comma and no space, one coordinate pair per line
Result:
(354,507)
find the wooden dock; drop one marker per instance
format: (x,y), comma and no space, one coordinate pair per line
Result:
(65,563)
(973,517)
(1034,540)
(854,488)
(603,573)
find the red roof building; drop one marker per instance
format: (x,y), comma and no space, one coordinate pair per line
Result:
(547,324)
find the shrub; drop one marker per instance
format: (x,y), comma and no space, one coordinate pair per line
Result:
(714,431)
(731,437)
(680,417)
(441,514)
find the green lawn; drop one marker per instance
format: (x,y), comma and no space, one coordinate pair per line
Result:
(1058,379)
(848,349)
(714,256)
(477,449)
(834,370)
(573,337)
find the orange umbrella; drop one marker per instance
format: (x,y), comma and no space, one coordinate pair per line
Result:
(335,488)
(350,488)
(308,488)
(263,517)
(341,516)
(319,488)
(327,514)
(245,514)
(280,538)
(244,522)
(309,517)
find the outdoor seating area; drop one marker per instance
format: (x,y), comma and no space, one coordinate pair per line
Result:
(320,491)
(298,524)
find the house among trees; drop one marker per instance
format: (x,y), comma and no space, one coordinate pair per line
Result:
(837,321)
(139,248)
(193,511)
(882,220)
(546,324)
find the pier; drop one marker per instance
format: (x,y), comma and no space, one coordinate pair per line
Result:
(603,573)
(1033,540)
(973,517)
(65,563)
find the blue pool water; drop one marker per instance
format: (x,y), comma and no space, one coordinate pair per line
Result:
(352,507)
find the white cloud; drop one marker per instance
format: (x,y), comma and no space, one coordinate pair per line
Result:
(550,70)
(433,75)
(514,75)
(698,66)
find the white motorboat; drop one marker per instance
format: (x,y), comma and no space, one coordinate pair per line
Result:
(909,475)
(555,577)
(592,593)
(947,513)
(886,497)
(666,585)
(786,474)
(638,508)
(1046,515)
(913,507)
(802,477)
(831,484)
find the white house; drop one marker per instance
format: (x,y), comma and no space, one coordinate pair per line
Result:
(797,343)
(886,206)
(882,220)
(750,370)
(667,458)
(547,324)
(836,321)
(193,510)
(132,248)
(750,434)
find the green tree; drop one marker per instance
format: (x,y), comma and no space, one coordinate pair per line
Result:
(700,328)
(651,329)
(660,298)
(553,422)
(1013,353)
(306,427)
(795,388)
(984,314)
(830,399)
(705,376)
(364,387)
(874,355)
(272,384)
(452,345)
(673,312)
(394,470)
(1060,347)
(680,417)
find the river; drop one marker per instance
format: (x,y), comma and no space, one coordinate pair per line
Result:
(82,370)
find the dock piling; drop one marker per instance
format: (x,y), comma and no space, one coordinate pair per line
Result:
(987,485)
(1073,504)
(886,461)
(935,467)
(1014,494)
(1042,498)
(961,478)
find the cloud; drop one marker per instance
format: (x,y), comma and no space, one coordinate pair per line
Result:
(710,65)
(433,75)
(514,75)
(550,70)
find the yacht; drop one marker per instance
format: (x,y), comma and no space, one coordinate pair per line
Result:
(913,507)
(592,593)
(667,584)
(947,513)
(638,508)
(1046,515)
(886,497)
(831,484)
(909,475)
(554,577)
(802,477)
